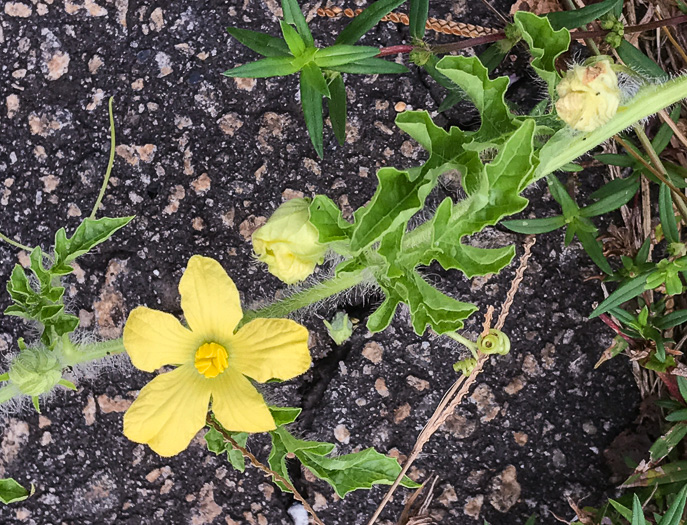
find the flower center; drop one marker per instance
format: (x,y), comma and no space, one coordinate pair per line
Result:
(211,360)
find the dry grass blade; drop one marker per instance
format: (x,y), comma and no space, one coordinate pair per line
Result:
(461,387)
(418,516)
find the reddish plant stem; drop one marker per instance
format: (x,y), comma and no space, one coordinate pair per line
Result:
(606,319)
(577,35)
(264,468)
(671,384)
(395,50)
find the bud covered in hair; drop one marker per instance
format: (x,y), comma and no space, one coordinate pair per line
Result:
(289,243)
(588,96)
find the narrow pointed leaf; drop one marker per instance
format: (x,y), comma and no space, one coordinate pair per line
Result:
(262,43)
(637,512)
(337,108)
(264,68)
(624,293)
(366,20)
(311,102)
(669,321)
(673,515)
(419,9)
(371,66)
(621,196)
(667,442)
(665,132)
(533,226)
(294,15)
(595,250)
(667,215)
(340,55)
(312,75)
(581,17)
(292,38)
(635,59)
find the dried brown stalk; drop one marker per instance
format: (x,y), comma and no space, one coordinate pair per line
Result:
(460,388)
(264,468)
(433,24)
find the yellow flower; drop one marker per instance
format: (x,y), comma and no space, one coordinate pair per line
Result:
(289,242)
(589,96)
(213,362)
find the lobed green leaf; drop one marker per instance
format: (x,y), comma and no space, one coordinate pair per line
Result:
(359,470)
(546,45)
(487,95)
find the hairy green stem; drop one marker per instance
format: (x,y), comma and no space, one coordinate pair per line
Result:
(678,198)
(109,164)
(15,243)
(92,352)
(312,295)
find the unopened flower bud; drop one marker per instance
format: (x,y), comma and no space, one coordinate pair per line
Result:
(35,371)
(289,242)
(588,96)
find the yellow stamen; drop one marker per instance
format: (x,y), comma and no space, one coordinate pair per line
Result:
(211,360)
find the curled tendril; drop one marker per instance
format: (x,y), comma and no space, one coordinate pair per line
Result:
(465,366)
(495,342)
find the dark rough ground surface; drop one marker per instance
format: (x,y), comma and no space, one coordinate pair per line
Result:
(200,159)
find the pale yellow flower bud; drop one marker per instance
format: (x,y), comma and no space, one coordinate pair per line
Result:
(289,242)
(588,96)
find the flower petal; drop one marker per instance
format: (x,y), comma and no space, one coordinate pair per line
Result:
(154,339)
(267,349)
(238,406)
(169,411)
(210,300)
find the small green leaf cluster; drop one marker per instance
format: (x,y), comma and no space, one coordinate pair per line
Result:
(319,69)
(662,487)
(347,473)
(39,297)
(576,220)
